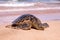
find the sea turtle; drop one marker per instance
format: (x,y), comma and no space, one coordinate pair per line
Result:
(28,21)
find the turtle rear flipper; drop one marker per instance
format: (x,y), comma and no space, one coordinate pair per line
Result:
(45,25)
(14,26)
(8,26)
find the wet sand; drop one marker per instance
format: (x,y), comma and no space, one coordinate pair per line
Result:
(51,33)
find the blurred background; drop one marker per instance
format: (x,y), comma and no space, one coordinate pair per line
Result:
(43,9)
(47,1)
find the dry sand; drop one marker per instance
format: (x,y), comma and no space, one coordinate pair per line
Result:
(51,33)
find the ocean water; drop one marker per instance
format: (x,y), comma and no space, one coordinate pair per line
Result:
(47,17)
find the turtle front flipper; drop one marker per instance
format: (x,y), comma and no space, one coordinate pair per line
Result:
(26,25)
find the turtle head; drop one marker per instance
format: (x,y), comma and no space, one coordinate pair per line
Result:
(45,25)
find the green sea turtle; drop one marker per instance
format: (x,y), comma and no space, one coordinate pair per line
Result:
(28,21)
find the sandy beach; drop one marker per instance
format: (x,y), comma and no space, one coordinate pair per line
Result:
(50,16)
(51,33)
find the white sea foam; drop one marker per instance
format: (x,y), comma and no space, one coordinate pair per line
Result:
(17,4)
(29,9)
